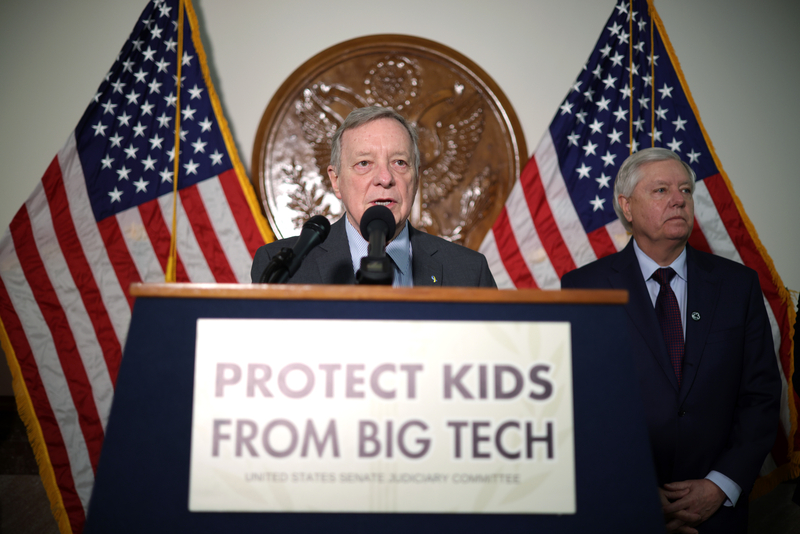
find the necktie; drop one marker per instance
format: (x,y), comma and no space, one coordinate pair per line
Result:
(669,317)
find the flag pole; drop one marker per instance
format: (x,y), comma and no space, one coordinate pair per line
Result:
(170,275)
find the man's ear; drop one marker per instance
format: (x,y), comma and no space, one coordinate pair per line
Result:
(625,204)
(334,181)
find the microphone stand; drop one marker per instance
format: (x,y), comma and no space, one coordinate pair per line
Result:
(277,272)
(376,267)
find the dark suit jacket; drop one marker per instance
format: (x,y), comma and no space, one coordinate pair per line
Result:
(434,262)
(725,414)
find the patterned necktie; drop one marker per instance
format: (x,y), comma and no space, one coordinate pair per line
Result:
(669,317)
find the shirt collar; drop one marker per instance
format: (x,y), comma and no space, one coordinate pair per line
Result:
(399,249)
(648,266)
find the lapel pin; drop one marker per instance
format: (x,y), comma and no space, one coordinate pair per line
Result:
(433,278)
(696,316)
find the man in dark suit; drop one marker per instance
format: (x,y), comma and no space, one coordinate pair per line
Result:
(375,161)
(702,348)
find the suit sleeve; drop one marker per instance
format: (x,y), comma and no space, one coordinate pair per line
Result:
(757,409)
(260,263)
(486,278)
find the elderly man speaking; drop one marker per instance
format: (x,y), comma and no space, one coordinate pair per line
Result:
(702,348)
(375,162)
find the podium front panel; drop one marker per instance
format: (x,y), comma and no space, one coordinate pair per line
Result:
(142,482)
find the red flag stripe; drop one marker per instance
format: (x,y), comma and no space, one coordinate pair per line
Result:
(542,215)
(601,242)
(71,365)
(189,250)
(697,239)
(525,237)
(241,212)
(159,234)
(119,255)
(79,269)
(745,245)
(53,442)
(748,252)
(113,294)
(489,250)
(64,292)
(35,352)
(220,204)
(510,253)
(570,228)
(201,225)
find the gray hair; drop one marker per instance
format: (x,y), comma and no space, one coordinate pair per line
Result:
(362,116)
(630,175)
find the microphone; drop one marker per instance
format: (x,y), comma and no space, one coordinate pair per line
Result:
(288,260)
(377,224)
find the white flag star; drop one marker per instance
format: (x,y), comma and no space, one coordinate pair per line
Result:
(149,163)
(131,151)
(205,125)
(191,167)
(665,92)
(679,124)
(155,142)
(597,203)
(99,129)
(149,54)
(195,92)
(608,159)
(199,146)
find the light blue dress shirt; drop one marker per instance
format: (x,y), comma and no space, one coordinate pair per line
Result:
(679,286)
(398,249)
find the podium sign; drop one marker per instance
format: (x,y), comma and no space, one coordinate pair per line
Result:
(311,415)
(159,440)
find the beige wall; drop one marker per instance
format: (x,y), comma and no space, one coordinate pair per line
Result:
(740,58)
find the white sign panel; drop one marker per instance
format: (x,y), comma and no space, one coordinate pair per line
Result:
(382,416)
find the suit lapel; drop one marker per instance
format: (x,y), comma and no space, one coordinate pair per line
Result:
(627,275)
(701,301)
(425,268)
(333,261)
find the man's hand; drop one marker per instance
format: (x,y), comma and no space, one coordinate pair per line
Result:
(689,503)
(680,520)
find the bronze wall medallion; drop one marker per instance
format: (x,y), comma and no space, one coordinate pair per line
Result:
(471,143)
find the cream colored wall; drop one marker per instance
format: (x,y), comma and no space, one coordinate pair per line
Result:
(740,58)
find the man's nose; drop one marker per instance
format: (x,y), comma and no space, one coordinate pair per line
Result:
(677,197)
(384,175)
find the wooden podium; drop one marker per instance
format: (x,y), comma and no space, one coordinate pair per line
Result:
(142,482)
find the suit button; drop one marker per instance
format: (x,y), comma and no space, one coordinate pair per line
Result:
(681,413)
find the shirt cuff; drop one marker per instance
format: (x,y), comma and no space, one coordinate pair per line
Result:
(730,488)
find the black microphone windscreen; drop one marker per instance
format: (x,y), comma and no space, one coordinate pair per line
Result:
(378,213)
(320,224)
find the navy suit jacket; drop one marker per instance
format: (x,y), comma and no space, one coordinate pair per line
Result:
(724,415)
(434,261)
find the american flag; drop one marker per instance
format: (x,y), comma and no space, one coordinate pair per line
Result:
(101,219)
(560,215)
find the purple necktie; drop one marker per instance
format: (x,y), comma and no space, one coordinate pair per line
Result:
(669,317)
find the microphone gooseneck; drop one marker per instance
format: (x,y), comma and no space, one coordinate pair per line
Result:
(378,227)
(286,263)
